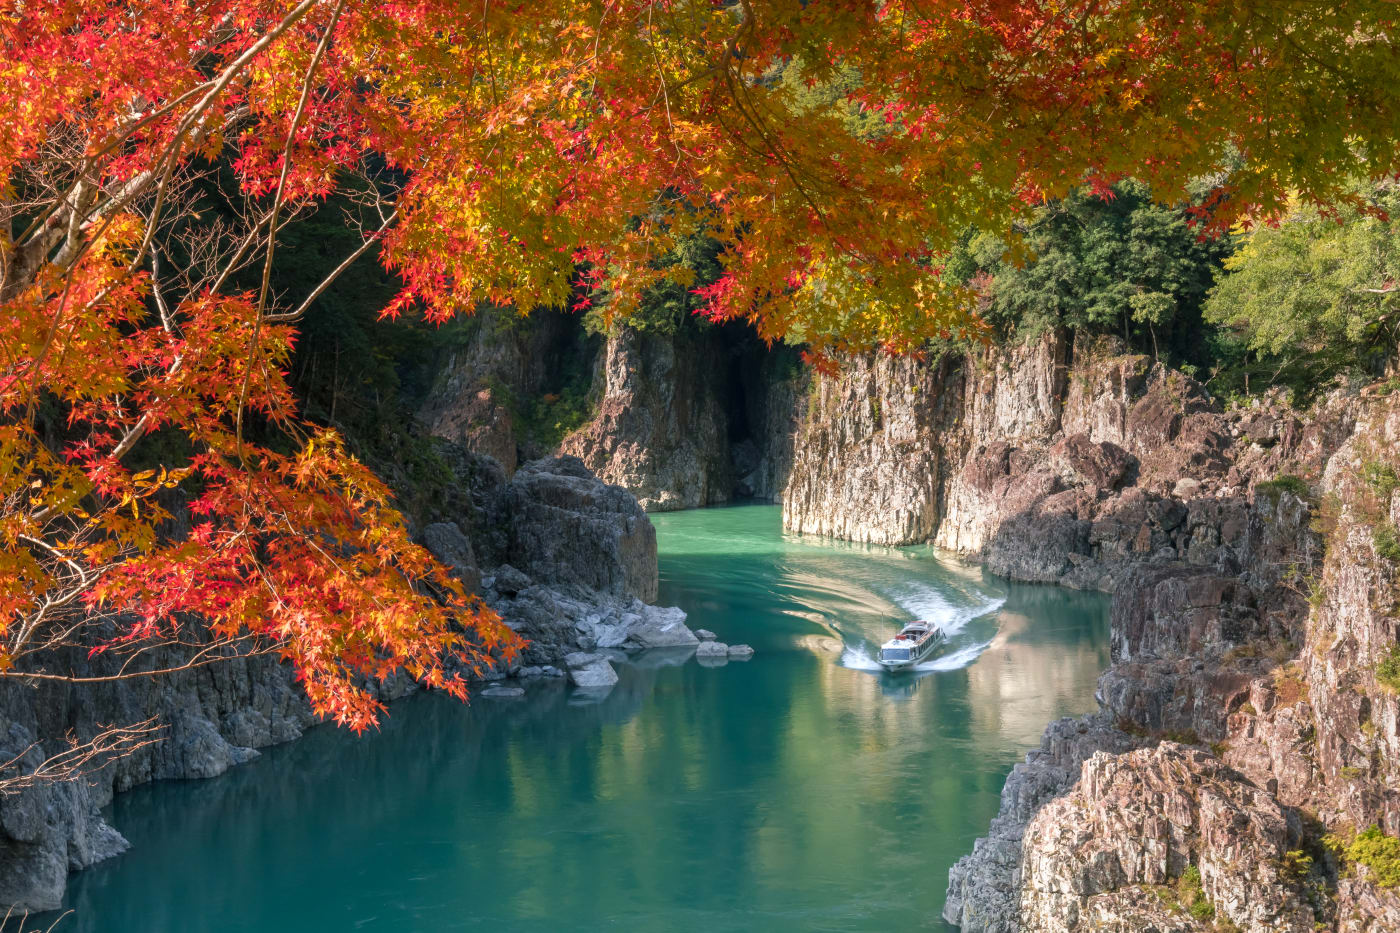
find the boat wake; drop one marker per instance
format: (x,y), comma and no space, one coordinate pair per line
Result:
(927,602)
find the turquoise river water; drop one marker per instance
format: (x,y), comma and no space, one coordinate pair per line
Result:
(798,791)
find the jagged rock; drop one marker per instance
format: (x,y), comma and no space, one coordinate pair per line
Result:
(1102,465)
(740,652)
(712,649)
(1144,817)
(983,887)
(704,634)
(598,673)
(446,542)
(661,431)
(569,527)
(1172,611)
(508,581)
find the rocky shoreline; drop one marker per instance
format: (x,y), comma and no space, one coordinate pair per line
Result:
(569,562)
(1241,720)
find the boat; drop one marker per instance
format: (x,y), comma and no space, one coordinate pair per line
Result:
(914,642)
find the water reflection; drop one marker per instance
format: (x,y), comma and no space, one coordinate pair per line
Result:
(785,793)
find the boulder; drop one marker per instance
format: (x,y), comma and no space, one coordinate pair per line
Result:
(599,673)
(446,542)
(740,652)
(704,634)
(568,527)
(712,649)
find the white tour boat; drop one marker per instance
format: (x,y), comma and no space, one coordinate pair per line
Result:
(914,642)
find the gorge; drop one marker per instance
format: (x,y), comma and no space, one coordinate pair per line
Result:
(1062,461)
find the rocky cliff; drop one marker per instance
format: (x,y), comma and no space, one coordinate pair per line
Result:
(681,417)
(1247,725)
(567,560)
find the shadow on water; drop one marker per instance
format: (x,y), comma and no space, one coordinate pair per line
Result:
(784,793)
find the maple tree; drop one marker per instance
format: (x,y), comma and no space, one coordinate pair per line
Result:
(538,153)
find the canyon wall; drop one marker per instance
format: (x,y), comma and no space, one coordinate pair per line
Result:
(1243,734)
(681,418)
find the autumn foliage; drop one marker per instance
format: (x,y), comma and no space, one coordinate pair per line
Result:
(536,153)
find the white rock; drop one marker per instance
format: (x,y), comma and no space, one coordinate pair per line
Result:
(582,659)
(660,627)
(704,634)
(1186,488)
(740,652)
(712,649)
(598,674)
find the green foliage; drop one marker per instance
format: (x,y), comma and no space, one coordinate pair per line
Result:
(1388,670)
(1378,852)
(1285,482)
(553,416)
(1386,543)
(1124,265)
(667,306)
(1382,479)
(1310,298)
(1192,895)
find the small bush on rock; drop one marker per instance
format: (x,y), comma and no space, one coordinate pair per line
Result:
(1388,670)
(1386,542)
(1378,852)
(1285,482)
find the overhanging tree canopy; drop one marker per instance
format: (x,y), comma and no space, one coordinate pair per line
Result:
(526,153)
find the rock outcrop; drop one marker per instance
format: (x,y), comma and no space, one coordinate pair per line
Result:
(1240,722)
(1259,716)
(567,560)
(1143,819)
(661,431)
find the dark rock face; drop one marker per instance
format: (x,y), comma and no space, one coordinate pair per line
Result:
(569,527)
(661,430)
(212,717)
(581,575)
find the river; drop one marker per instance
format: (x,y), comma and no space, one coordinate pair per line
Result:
(797,791)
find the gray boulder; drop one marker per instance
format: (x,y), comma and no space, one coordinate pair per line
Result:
(569,527)
(446,542)
(740,652)
(599,673)
(712,649)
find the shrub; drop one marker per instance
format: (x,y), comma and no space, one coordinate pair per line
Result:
(1285,482)
(1386,543)
(1192,895)
(1378,852)
(1388,670)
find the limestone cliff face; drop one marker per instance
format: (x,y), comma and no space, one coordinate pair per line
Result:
(661,429)
(872,449)
(681,419)
(1238,722)
(504,360)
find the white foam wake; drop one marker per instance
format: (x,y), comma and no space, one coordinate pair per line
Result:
(928,603)
(954,660)
(857,658)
